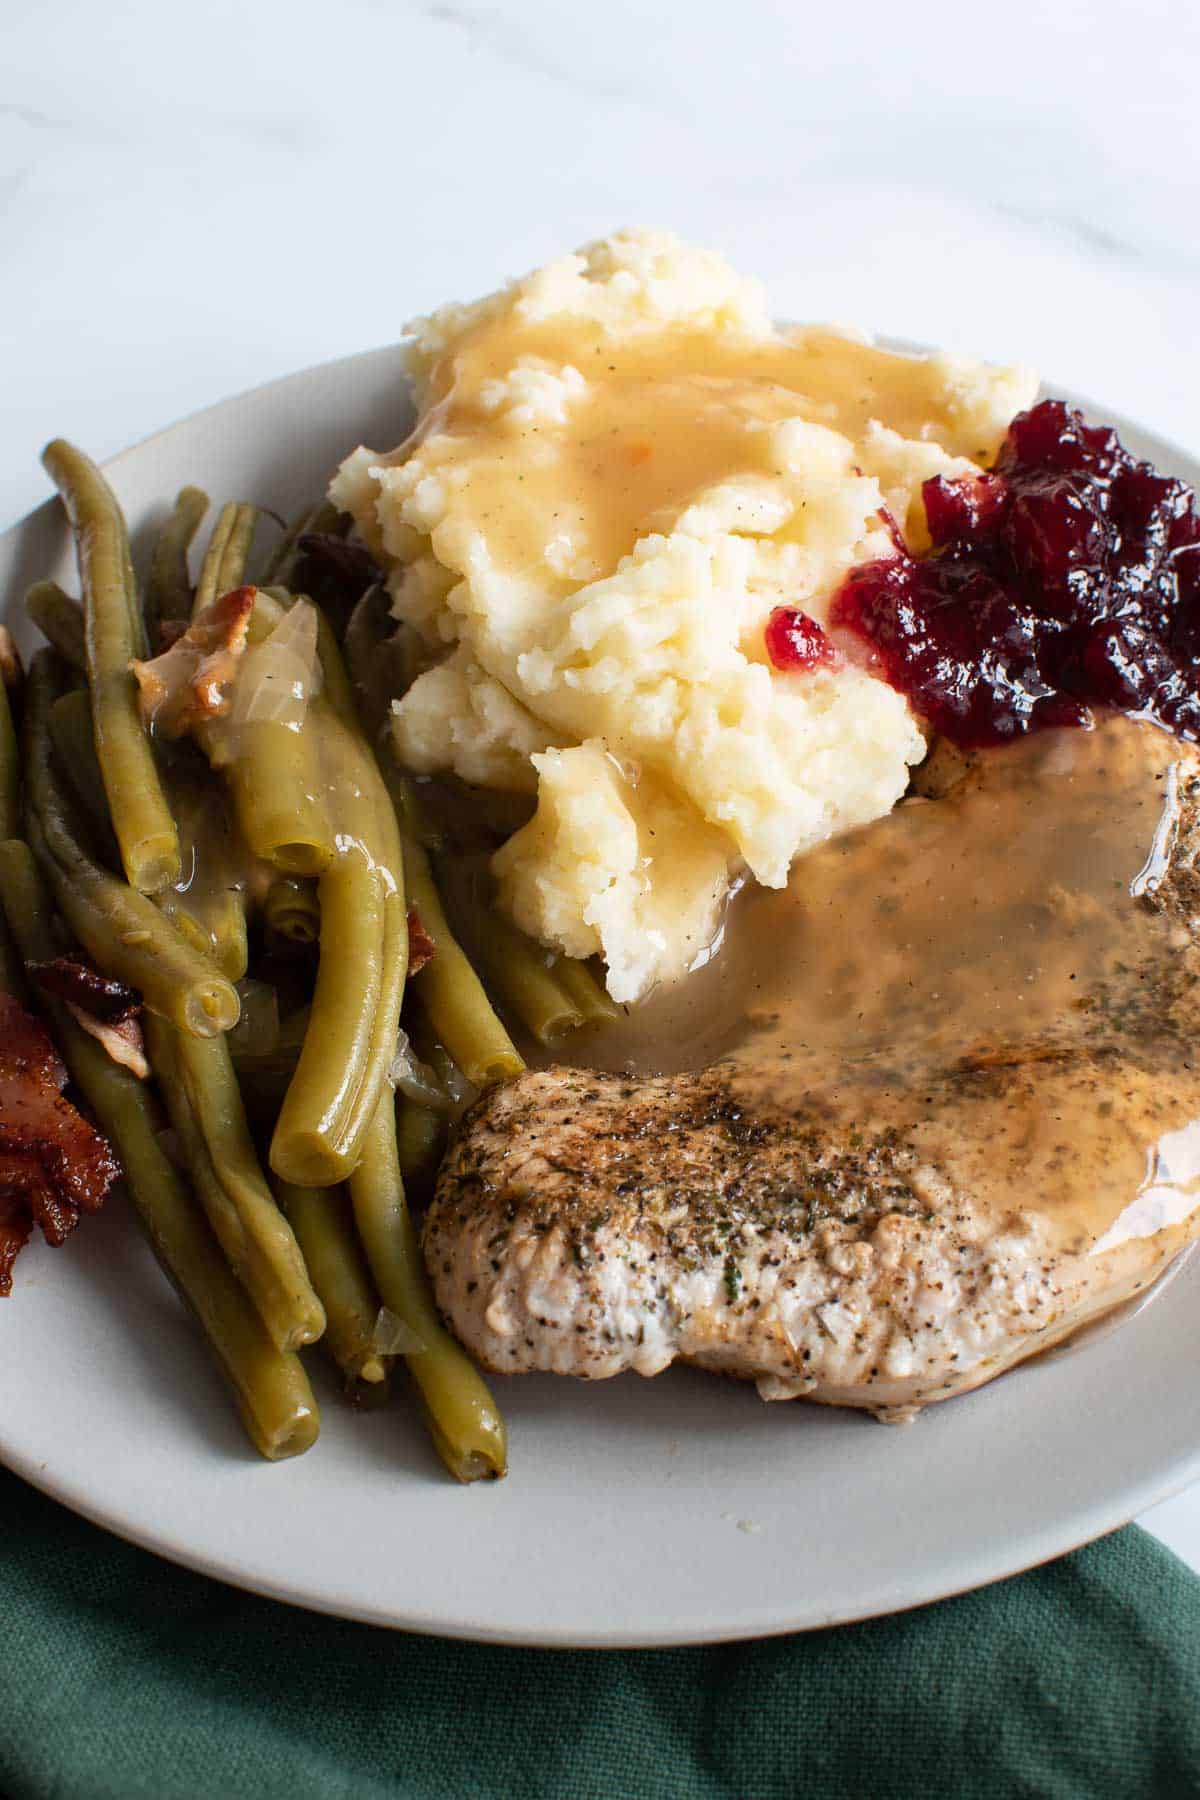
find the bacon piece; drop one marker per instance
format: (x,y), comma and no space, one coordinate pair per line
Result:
(169,633)
(420,945)
(192,680)
(105,1008)
(74,979)
(53,1163)
(123,1040)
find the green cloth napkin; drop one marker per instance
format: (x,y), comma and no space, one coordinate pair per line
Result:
(122,1677)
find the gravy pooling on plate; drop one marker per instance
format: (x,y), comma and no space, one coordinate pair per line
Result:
(1013,917)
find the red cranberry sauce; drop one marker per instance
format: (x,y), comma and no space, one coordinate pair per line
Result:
(794,641)
(1068,578)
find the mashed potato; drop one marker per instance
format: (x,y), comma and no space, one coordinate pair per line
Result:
(620,468)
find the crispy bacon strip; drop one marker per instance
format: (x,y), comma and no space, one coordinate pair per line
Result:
(73,978)
(106,1009)
(192,680)
(53,1163)
(420,945)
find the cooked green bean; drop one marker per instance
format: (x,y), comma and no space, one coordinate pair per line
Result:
(169,585)
(522,977)
(27,905)
(10,770)
(212,917)
(420,1132)
(450,990)
(324,516)
(271,1388)
(390,861)
(224,565)
(324,1227)
(290,911)
(273,765)
(200,1088)
(211,910)
(466,1426)
(121,929)
(584,989)
(360,973)
(319,1128)
(279,796)
(60,619)
(115,633)
(75,751)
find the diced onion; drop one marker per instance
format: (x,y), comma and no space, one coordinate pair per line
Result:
(278,677)
(392,1337)
(257,1030)
(415,1079)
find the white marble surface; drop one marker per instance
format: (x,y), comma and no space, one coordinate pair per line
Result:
(195,200)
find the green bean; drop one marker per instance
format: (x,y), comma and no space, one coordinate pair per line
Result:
(75,754)
(273,767)
(224,565)
(519,973)
(324,516)
(390,861)
(586,992)
(59,619)
(200,1088)
(169,587)
(360,972)
(270,1386)
(449,989)
(210,914)
(122,930)
(10,770)
(27,905)
(338,691)
(319,1127)
(278,795)
(272,1391)
(465,1424)
(210,911)
(420,1133)
(115,634)
(290,911)
(324,1226)
(212,919)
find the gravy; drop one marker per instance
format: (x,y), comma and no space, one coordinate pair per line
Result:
(663,420)
(990,973)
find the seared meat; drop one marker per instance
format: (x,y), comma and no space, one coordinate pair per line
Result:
(898,1219)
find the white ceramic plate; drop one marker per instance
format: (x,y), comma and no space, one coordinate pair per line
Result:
(637,1513)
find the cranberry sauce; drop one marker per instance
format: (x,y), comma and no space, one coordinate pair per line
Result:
(1069,577)
(794,641)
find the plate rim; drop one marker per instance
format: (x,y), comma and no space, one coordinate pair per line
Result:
(1003,1559)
